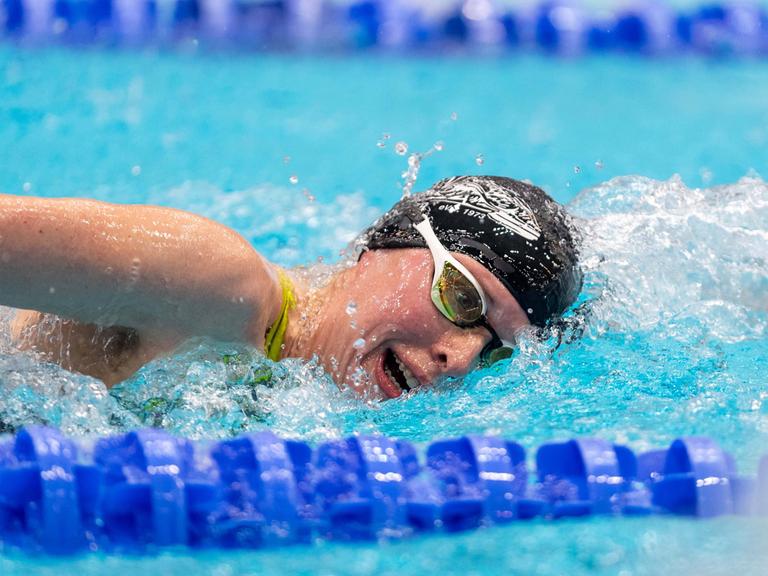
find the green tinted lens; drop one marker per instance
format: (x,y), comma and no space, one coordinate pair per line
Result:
(496,354)
(459,296)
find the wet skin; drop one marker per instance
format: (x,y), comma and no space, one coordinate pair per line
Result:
(394,315)
(106,288)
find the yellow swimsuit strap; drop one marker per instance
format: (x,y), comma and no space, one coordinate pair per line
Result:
(273,341)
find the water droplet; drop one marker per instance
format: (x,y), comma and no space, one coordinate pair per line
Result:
(577,169)
(479,160)
(136,170)
(359,343)
(530,310)
(351,307)
(51,290)
(286,159)
(438,146)
(454,116)
(27,186)
(599,164)
(293,179)
(401,148)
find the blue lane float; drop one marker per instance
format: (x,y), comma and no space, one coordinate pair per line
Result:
(565,27)
(146,490)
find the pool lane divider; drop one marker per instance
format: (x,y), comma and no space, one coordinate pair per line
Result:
(148,490)
(567,27)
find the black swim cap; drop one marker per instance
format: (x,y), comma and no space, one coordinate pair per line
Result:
(512,228)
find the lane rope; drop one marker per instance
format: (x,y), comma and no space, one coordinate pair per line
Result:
(552,26)
(147,489)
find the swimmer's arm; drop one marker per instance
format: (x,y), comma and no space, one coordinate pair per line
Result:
(149,268)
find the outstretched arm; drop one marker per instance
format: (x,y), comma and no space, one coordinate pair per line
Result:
(149,268)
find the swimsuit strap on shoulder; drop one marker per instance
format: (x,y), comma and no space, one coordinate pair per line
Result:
(275,336)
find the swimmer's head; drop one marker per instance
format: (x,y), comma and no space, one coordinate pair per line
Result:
(501,256)
(514,229)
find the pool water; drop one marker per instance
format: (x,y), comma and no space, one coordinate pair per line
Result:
(660,161)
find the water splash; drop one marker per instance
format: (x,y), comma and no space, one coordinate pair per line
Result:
(669,339)
(414,166)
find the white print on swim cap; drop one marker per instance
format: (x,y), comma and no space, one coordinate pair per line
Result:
(475,197)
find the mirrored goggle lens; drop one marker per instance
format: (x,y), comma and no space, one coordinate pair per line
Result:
(459,297)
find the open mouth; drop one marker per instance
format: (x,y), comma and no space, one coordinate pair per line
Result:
(398,372)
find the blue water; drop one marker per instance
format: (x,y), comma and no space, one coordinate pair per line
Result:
(676,266)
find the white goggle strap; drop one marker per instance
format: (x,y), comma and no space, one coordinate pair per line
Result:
(440,255)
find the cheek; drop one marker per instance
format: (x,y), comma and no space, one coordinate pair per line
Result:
(407,298)
(396,301)
(408,317)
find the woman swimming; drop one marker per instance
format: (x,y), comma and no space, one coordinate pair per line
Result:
(446,278)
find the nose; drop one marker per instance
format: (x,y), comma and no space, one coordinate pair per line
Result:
(456,352)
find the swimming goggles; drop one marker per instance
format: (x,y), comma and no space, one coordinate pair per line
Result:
(458,295)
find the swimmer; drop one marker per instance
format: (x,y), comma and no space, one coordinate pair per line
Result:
(445,280)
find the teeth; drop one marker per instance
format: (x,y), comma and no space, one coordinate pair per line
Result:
(409,377)
(389,373)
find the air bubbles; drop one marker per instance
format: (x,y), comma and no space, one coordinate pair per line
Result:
(136,170)
(454,116)
(286,159)
(479,159)
(577,169)
(307,194)
(401,148)
(51,290)
(27,186)
(530,310)
(351,308)
(358,344)
(599,164)
(438,146)
(293,179)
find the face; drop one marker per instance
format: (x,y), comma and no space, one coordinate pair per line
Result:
(381,334)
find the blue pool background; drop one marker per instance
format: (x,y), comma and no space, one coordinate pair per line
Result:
(223,135)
